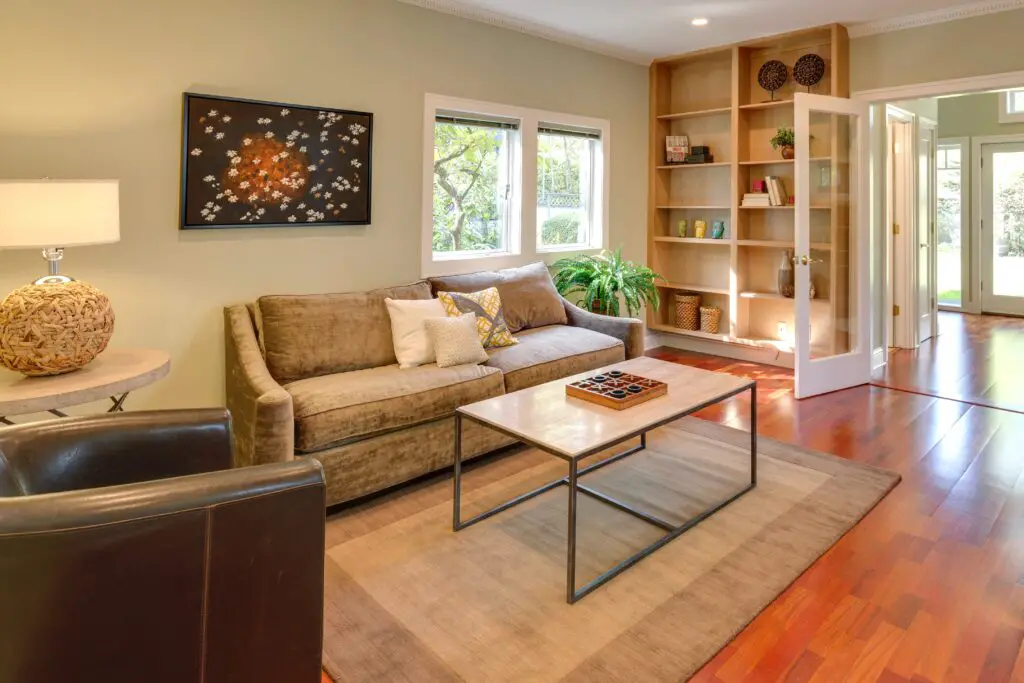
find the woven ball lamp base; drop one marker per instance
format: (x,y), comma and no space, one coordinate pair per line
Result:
(50,329)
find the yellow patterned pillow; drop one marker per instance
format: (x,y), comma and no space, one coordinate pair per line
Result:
(490,317)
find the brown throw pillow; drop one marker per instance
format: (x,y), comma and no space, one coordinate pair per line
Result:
(528,295)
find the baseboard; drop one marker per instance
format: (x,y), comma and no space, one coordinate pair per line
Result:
(780,359)
(878,358)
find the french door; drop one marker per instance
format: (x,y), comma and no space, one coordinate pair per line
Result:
(833,345)
(1002,228)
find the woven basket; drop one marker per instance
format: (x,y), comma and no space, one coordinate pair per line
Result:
(687,311)
(54,328)
(710,316)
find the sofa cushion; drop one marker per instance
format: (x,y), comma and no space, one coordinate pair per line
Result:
(349,406)
(319,334)
(489,314)
(554,352)
(527,294)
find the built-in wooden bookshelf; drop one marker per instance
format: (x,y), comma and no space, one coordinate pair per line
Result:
(714,99)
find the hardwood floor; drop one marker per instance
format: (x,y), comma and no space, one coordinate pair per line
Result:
(926,589)
(929,587)
(975,358)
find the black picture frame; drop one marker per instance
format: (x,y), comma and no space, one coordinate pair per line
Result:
(301,166)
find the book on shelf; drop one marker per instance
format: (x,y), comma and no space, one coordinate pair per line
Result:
(775,190)
(758,199)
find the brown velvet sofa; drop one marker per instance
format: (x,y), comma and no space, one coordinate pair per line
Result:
(316,376)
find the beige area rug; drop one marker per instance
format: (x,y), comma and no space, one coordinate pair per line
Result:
(407,599)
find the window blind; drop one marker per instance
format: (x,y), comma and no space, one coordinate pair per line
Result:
(479,121)
(569,131)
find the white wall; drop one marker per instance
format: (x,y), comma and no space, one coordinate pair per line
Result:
(93,90)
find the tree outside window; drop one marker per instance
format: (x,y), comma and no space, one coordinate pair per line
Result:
(471,187)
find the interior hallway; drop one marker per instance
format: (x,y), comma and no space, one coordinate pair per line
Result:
(978,359)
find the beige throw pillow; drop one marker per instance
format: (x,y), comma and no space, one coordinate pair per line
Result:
(455,340)
(412,344)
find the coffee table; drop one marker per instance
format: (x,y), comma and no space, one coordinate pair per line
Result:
(573,429)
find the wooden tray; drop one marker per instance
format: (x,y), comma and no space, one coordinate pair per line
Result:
(604,389)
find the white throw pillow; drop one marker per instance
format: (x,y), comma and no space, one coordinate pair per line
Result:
(456,341)
(412,345)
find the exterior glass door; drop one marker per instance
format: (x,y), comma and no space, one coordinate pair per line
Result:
(1002,229)
(831,261)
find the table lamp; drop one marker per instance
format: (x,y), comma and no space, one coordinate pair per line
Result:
(56,324)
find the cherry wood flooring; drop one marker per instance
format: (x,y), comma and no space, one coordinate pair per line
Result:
(975,358)
(929,587)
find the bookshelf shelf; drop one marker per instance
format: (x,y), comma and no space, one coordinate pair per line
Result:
(689,94)
(703,241)
(694,288)
(690,167)
(699,113)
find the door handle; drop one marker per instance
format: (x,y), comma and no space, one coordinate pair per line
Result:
(806,260)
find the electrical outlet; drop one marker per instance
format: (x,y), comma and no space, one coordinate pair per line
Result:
(781,330)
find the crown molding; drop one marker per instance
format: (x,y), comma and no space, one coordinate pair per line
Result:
(975,9)
(465,11)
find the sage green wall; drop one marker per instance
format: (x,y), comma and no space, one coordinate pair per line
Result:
(973,116)
(977,46)
(93,90)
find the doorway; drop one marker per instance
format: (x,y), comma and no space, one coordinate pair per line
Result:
(1002,227)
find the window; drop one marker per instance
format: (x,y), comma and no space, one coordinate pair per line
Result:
(484,207)
(1011,106)
(473,184)
(949,232)
(566,172)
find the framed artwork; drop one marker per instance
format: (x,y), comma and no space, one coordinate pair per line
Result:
(247,163)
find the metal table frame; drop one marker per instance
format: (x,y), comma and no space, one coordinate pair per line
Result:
(572,594)
(117,407)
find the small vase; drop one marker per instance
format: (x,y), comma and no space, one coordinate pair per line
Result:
(788,152)
(786,282)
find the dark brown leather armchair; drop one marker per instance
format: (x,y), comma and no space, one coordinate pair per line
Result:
(130,552)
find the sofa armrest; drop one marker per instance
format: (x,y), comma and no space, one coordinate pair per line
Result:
(262,417)
(629,330)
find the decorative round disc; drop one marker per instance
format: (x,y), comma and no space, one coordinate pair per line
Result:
(809,70)
(772,75)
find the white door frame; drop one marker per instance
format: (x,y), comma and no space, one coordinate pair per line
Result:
(978,251)
(931,203)
(951,86)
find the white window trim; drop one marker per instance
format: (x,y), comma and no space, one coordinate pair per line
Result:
(523,243)
(1005,115)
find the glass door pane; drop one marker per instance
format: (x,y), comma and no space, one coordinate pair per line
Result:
(950,220)
(1007,199)
(832,324)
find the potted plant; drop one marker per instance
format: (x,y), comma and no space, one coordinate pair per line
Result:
(786,139)
(603,278)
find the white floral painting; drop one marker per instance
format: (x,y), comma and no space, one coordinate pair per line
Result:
(244,163)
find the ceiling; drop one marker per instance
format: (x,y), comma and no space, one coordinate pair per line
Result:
(640,30)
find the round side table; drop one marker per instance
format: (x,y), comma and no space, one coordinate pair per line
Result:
(114,374)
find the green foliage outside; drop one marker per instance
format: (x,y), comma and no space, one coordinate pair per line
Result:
(466,214)
(948,207)
(1011,205)
(561,229)
(602,280)
(467,211)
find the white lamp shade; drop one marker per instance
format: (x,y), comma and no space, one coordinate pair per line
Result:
(58,213)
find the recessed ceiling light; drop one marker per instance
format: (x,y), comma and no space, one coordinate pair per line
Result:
(700,21)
